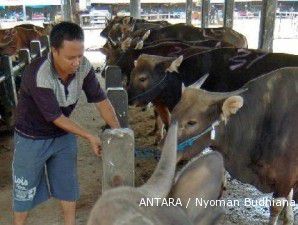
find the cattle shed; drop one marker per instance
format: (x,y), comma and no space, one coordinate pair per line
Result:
(266,25)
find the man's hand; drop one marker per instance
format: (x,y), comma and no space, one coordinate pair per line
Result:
(95,144)
(70,126)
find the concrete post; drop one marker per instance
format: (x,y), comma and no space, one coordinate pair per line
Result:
(229,13)
(24,55)
(267,23)
(118,158)
(188,11)
(119,99)
(135,8)
(113,77)
(24,12)
(35,48)
(66,10)
(205,13)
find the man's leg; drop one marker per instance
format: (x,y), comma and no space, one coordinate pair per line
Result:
(62,173)
(69,212)
(28,176)
(19,218)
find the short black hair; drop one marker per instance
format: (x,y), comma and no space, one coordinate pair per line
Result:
(65,31)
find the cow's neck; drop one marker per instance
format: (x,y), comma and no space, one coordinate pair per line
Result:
(235,149)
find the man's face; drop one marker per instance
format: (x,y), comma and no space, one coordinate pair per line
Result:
(69,56)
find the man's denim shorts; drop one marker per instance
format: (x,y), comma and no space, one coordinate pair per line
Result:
(44,168)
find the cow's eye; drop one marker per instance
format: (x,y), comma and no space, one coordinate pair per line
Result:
(191,123)
(143,79)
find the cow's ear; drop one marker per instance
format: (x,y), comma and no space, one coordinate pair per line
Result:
(175,65)
(230,106)
(104,51)
(135,63)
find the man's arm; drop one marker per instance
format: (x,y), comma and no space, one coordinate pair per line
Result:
(70,126)
(107,112)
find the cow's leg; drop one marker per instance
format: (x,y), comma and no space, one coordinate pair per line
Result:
(165,117)
(289,215)
(156,118)
(160,129)
(277,205)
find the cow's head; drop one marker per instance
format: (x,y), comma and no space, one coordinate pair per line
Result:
(149,76)
(109,24)
(198,110)
(120,30)
(7,35)
(115,56)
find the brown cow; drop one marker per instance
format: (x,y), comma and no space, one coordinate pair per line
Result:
(40,30)
(18,38)
(256,132)
(25,36)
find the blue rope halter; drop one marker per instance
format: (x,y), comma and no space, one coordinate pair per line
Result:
(189,142)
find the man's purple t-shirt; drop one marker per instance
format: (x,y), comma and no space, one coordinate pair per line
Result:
(44,97)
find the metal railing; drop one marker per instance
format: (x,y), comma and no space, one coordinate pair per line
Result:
(11,71)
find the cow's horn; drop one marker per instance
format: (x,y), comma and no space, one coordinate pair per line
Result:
(200,82)
(111,41)
(139,45)
(159,184)
(146,35)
